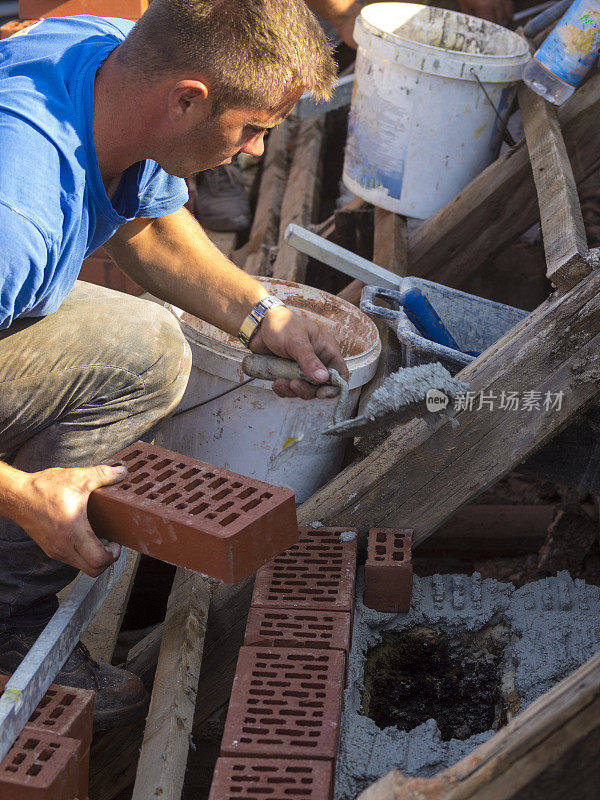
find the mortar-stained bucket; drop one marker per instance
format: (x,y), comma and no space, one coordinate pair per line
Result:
(251,430)
(421,127)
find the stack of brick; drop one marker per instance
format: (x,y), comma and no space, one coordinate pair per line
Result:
(51,758)
(282,730)
(388,570)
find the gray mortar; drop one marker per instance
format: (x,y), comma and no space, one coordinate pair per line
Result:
(553,628)
(407,389)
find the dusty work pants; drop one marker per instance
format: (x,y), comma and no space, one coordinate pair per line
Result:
(75,388)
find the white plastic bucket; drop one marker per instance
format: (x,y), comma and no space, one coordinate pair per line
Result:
(420,124)
(251,430)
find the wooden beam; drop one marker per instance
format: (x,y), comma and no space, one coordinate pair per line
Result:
(389,252)
(419,477)
(551,751)
(565,241)
(301,196)
(265,226)
(390,241)
(114,755)
(161,768)
(501,203)
(101,636)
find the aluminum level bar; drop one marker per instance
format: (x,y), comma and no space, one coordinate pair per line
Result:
(342,95)
(339,258)
(54,645)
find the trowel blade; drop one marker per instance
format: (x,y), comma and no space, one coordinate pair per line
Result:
(362,425)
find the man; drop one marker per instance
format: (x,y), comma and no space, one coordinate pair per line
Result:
(89,109)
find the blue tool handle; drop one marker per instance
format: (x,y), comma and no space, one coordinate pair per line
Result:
(425,318)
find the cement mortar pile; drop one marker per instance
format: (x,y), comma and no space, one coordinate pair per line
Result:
(537,634)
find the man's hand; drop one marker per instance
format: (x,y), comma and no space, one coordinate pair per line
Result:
(52,509)
(289,334)
(500,11)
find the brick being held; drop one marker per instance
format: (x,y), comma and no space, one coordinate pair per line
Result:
(249,779)
(14,26)
(388,570)
(192,514)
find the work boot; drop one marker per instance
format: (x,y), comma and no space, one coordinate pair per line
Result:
(221,199)
(120,695)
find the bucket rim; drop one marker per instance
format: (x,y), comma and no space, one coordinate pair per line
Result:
(489,59)
(360,366)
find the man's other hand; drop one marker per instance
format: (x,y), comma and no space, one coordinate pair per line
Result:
(289,334)
(500,11)
(53,511)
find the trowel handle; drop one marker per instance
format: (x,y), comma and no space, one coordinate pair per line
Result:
(270,368)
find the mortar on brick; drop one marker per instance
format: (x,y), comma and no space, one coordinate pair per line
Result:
(552,628)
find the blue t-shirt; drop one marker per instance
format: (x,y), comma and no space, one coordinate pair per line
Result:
(54,209)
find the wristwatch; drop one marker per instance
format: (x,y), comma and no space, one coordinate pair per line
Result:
(255,317)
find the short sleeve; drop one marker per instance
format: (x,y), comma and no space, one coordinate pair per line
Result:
(25,268)
(160,193)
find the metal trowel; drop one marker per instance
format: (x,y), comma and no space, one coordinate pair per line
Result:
(426,391)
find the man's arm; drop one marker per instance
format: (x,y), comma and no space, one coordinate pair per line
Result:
(175,260)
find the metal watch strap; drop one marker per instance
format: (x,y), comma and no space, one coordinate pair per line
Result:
(255,317)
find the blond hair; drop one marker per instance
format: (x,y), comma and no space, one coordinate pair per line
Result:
(252,51)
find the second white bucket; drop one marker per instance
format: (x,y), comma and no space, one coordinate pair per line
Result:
(251,430)
(421,127)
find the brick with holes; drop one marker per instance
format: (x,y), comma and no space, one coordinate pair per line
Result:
(66,712)
(317,573)
(289,627)
(273,778)
(126,9)
(388,570)
(204,518)
(40,766)
(285,702)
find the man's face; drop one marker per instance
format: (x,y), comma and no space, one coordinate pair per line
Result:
(217,139)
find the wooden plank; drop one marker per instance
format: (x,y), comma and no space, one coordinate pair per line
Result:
(327,228)
(301,196)
(390,241)
(389,252)
(419,477)
(101,636)
(551,751)
(114,755)
(565,241)
(265,226)
(501,203)
(161,767)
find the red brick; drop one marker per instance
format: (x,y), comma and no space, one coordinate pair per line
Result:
(180,510)
(63,711)
(317,573)
(272,778)
(282,627)
(388,570)
(285,702)
(66,712)
(14,26)
(126,9)
(99,269)
(40,766)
